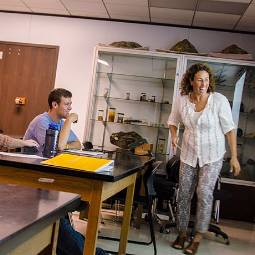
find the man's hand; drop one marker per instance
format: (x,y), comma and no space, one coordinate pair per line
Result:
(65,132)
(30,143)
(73,117)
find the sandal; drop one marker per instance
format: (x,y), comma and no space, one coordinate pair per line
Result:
(179,242)
(191,249)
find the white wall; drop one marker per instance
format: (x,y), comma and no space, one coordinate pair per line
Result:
(77,38)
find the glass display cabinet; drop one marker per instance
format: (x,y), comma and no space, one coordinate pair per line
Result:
(132,90)
(236,80)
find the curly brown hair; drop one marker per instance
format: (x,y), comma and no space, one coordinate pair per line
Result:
(186,86)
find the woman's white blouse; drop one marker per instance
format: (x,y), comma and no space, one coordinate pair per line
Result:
(203,139)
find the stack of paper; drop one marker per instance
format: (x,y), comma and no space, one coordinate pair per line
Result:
(81,152)
(80,163)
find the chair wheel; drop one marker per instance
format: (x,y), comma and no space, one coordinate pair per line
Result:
(164,230)
(167,231)
(227,242)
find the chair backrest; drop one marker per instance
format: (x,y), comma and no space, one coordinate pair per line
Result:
(172,169)
(148,178)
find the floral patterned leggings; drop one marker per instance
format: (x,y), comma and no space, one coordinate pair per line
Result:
(203,179)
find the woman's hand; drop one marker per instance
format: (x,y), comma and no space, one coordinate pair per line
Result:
(235,166)
(174,142)
(30,143)
(174,137)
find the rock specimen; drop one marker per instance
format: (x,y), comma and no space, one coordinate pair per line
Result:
(184,46)
(125,44)
(128,140)
(234,49)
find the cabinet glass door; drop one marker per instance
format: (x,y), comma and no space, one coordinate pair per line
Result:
(246,126)
(237,82)
(132,93)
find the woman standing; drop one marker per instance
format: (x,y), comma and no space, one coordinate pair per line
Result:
(207,118)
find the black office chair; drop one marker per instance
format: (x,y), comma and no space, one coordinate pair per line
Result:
(146,200)
(168,190)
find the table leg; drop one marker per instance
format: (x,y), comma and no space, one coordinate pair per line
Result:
(93,220)
(126,219)
(55,237)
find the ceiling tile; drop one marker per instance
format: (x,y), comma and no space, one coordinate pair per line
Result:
(246,25)
(130,17)
(250,12)
(131,10)
(236,1)
(129,2)
(174,4)
(50,11)
(14,8)
(90,13)
(126,9)
(221,14)
(83,4)
(86,8)
(222,7)
(215,20)
(45,4)
(171,16)
(11,2)
(13,5)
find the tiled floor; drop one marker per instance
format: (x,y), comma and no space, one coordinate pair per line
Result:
(242,238)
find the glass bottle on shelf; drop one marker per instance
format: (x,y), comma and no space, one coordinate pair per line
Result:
(161,145)
(111,114)
(120,117)
(100,115)
(143,97)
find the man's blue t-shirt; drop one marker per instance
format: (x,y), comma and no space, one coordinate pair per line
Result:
(37,130)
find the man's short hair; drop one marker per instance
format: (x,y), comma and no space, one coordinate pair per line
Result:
(56,94)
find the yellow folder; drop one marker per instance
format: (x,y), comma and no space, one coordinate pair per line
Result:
(80,163)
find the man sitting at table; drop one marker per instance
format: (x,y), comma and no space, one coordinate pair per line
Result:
(60,100)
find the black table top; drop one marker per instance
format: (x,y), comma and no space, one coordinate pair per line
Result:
(125,163)
(24,211)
